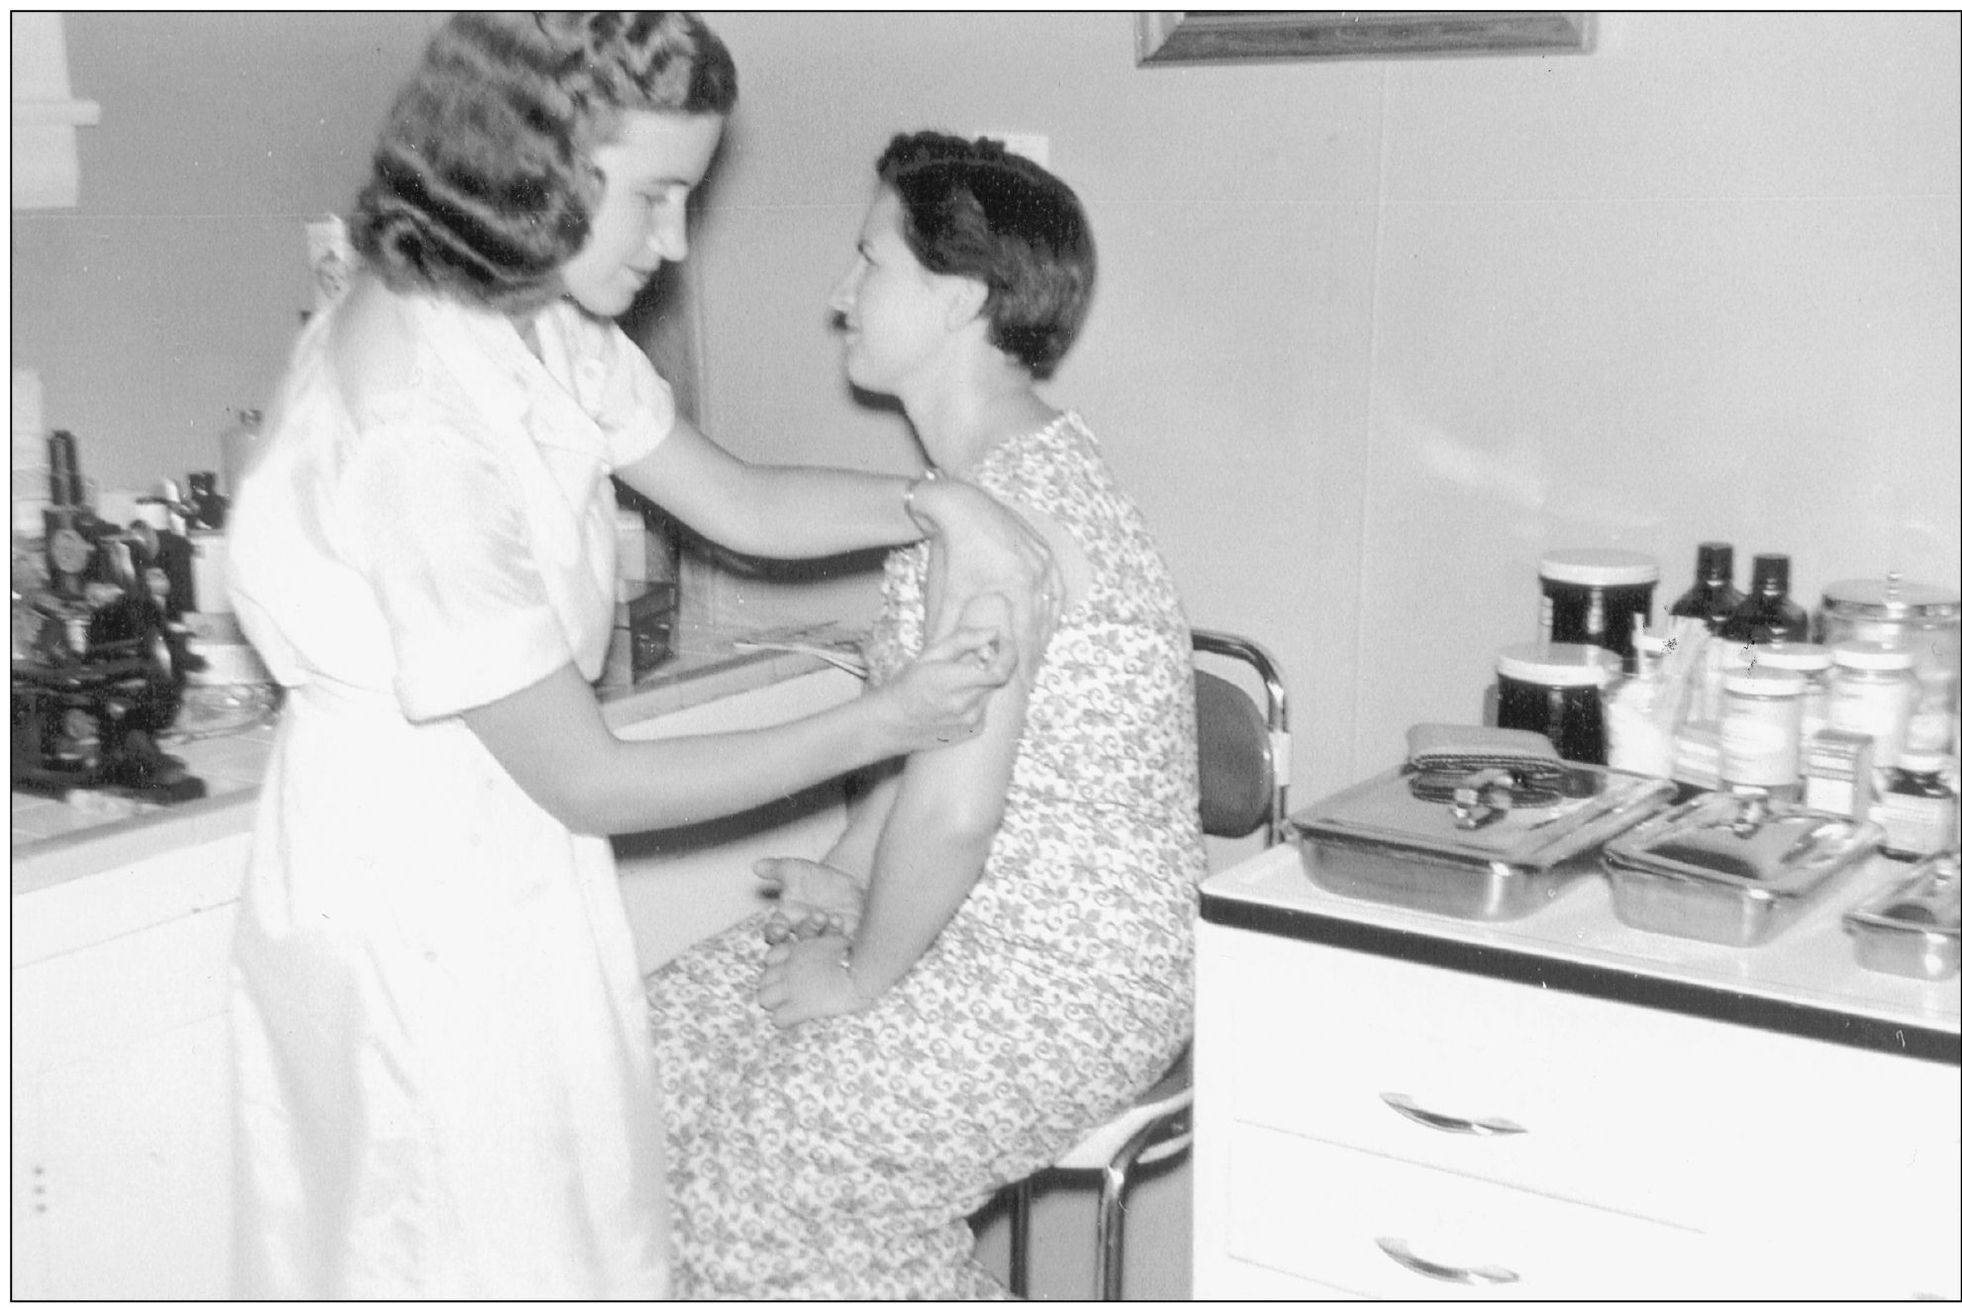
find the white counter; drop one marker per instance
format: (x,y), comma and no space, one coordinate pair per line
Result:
(54,841)
(1401,1105)
(1804,978)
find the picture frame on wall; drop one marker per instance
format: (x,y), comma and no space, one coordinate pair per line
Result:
(1233,36)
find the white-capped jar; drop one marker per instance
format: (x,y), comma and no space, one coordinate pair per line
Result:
(1814,661)
(1557,690)
(1598,596)
(1872,691)
(1758,739)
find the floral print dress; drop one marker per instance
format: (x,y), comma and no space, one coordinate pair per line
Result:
(841,1158)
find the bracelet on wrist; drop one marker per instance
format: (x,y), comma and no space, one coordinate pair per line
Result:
(931,474)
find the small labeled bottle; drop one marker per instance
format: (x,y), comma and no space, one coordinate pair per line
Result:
(1917,808)
(1814,661)
(1768,614)
(1758,739)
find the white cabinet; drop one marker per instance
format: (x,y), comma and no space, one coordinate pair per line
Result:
(1389,1128)
(121,1083)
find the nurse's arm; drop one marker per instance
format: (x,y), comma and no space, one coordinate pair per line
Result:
(811,511)
(554,743)
(770,510)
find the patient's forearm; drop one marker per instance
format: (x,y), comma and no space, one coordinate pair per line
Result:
(921,875)
(857,848)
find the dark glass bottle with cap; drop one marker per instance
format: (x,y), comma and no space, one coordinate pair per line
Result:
(1711,599)
(1768,614)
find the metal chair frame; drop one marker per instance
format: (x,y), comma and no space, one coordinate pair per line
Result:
(1166,1109)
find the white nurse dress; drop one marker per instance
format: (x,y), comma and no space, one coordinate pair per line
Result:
(445,1085)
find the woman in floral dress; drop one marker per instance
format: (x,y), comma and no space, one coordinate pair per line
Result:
(996,956)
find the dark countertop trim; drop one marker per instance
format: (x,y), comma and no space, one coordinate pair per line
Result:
(1599,982)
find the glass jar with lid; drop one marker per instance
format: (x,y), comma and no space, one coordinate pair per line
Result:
(1597,596)
(1556,689)
(1925,619)
(1872,691)
(1758,739)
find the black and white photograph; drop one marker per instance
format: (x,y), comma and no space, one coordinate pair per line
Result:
(925,655)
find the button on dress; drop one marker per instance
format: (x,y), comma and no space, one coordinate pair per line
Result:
(445,1085)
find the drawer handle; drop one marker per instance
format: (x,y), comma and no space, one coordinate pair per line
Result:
(1410,1109)
(1399,1249)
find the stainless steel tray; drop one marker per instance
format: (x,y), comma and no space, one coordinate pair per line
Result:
(1485,846)
(1910,928)
(1728,869)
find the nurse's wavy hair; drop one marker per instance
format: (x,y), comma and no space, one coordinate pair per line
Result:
(483,182)
(973,210)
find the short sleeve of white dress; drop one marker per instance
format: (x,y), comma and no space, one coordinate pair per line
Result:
(617,385)
(445,548)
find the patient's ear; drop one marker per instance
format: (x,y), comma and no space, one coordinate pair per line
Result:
(966,299)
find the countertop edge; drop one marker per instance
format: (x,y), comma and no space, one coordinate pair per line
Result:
(1599,981)
(719,670)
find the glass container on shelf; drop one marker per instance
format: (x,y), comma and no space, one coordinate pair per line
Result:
(1814,662)
(1639,738)
(1758,741)
(1917,806)
(1767,614)
(1711,599)
(1872,691)
(1597,596)
(1925,619)
(1557,689)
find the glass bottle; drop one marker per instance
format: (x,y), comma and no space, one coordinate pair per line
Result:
(1918,807)
(1758,741)
(1814,662)
(1636,742)
(1711,599)
(1768,614)
(1872,691)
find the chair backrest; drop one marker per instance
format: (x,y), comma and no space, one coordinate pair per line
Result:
(1243,748)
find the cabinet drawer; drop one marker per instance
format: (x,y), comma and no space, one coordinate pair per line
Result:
(1233,1279)
(1675,1118)
(1379,1227)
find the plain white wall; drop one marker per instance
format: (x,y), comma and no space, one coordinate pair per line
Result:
(170,295)
(1371,336)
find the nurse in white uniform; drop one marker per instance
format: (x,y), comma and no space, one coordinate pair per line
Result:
(444,1075)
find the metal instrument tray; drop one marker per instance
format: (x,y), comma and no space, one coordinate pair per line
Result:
(1729,869)
(1910,928)
(1490,845)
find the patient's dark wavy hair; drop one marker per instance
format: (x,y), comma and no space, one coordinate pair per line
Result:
(972,209)
(483,181)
